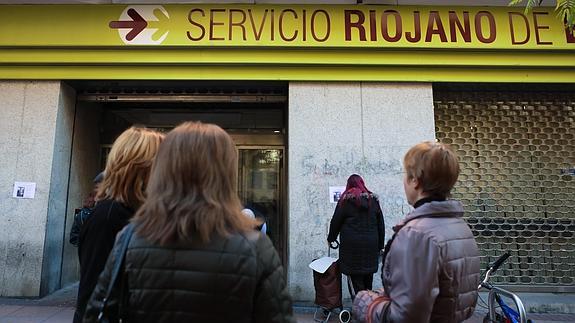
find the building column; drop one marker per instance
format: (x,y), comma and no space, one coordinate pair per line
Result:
(335,130)
(35,136)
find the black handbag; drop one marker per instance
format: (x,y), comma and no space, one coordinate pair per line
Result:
(103,315)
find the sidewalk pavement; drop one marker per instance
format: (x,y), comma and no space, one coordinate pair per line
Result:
(59,308)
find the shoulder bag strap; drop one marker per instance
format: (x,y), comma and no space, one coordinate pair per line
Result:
(387,247)
(390,241)
(121,254)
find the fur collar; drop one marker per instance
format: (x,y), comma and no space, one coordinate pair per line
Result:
(362,195)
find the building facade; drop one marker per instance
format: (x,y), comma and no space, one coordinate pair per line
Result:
(311,92)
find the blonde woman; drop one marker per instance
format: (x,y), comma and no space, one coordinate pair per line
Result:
(194,257)
(119,195)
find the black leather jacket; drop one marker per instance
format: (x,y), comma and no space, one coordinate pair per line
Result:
(96,240)
(234,279)
(80,216)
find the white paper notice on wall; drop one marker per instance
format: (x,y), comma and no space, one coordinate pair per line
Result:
(24,190)
(335,193)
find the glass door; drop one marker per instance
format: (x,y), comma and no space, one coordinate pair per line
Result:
(260,189)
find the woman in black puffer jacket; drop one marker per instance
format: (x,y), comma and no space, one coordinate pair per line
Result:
(194,257)
(359,222)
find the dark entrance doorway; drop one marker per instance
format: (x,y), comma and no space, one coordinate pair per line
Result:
(253,113)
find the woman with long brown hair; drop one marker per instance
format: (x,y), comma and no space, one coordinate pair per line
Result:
(120,194)
(194,257)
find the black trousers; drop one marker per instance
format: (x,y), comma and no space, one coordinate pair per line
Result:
(361,282)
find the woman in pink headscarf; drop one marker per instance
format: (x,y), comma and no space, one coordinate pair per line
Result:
(359,222)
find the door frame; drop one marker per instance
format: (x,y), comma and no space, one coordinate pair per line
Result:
(282,207)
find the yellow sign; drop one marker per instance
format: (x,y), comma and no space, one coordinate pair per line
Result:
(318,26)
(265,42)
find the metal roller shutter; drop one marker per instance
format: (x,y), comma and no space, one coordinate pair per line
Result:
(517,152)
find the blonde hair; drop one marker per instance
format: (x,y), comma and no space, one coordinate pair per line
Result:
(128,166)
(192,189)
(434,165)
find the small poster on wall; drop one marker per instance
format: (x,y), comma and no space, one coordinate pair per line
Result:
(335,193)
(24,190)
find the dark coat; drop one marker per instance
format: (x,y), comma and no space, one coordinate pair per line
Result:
(361,230)
(234,279)
(97,237)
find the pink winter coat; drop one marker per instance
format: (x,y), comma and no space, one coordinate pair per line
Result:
(431,271)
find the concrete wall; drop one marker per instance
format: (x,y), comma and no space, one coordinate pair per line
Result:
(334,130)
(85,165)
(31,141)
(36,138)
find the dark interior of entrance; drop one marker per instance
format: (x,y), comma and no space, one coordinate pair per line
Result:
(253,113)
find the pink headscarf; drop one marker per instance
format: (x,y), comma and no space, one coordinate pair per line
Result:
(355,187)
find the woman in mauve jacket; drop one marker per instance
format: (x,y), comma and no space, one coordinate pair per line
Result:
(431,264)
(359,222)
(194,257)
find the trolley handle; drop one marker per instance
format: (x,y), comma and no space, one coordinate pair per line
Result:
(498,262)
(334,244)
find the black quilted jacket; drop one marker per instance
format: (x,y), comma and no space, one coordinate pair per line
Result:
(361,233)
(234,279)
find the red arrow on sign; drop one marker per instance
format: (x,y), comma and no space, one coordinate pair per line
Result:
(137,24)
